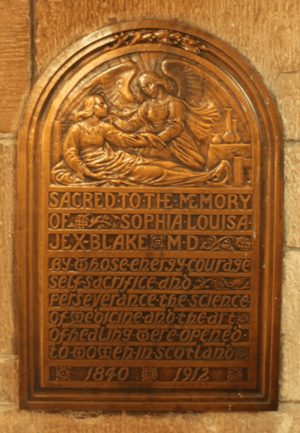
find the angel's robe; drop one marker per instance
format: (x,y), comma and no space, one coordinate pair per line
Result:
(175,123)
(102,150)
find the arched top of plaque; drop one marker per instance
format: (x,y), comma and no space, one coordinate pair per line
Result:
(150,141)
(152,103)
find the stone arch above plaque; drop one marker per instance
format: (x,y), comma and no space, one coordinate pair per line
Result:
(150,227)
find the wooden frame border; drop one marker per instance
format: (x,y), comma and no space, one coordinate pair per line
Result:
(267,116)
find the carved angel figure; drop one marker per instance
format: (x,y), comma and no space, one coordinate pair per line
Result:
(170,111)
(95,153)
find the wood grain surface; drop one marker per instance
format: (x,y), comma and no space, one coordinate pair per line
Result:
(265,32)
(14,61)
(200,150)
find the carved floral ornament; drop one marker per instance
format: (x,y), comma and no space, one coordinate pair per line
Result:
(160,36)
(149,190)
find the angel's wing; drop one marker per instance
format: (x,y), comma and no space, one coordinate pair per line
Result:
(190,83)
(114,83)
(200,120)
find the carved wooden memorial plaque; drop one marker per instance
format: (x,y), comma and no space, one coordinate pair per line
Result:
(150,227)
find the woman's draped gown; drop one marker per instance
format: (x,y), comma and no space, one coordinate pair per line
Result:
(184,129)
(105,151)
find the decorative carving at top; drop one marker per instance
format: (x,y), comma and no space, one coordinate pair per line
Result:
(163,36)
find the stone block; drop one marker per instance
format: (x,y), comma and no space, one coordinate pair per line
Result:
(14,61)
(290,336)
(286,88)
(286,420)
(8,296)
(8,380)
(292,196)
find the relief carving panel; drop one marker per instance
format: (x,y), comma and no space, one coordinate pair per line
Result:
(149,191)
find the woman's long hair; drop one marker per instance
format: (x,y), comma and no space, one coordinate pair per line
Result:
(88,111)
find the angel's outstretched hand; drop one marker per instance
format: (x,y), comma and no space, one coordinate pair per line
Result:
(136,140)
(154,141)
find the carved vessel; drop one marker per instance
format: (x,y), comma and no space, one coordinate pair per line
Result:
(228,137)
(235,130)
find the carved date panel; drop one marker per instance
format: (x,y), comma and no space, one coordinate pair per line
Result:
(150,227)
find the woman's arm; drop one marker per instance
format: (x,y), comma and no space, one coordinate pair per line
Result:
(125,140)
(71,152)
(134,123)
(175,121)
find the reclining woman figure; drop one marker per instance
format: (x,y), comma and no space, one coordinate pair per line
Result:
(97,153)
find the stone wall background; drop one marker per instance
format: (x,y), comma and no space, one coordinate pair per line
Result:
(267,33)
